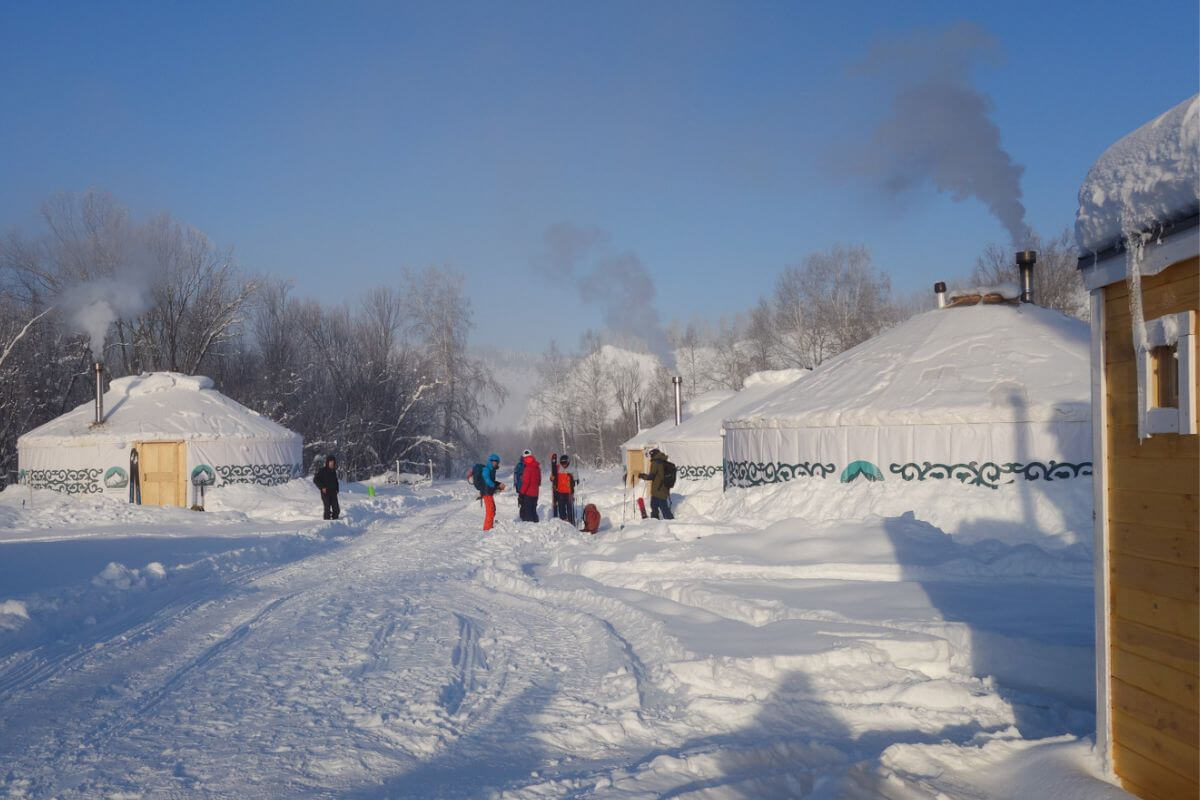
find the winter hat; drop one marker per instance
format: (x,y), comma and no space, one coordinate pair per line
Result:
(526,453)
(494,457)
(564,460)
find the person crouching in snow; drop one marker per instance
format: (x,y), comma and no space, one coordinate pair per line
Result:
(490,487)
(564,491)
(531,482)
(661,480)
(326,480)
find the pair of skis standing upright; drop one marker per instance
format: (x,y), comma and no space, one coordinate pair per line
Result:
(590,516)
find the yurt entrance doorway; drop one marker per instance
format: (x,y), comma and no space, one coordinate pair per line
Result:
(635,464)
(163,470)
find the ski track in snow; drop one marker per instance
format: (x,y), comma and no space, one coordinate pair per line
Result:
(409,655)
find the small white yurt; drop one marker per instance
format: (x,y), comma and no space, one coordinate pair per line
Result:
(695,446)
(984,394)
(637,447)
(184,431)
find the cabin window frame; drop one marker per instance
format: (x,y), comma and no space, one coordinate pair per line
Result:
(1177,332)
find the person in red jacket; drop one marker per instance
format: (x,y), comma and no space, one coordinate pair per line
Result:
(531,482)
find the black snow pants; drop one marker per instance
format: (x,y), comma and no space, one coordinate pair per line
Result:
(564,507)
(529,508)
(329,501)
(660,509)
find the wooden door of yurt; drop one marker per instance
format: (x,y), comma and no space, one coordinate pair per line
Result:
(635,463)
(163,470)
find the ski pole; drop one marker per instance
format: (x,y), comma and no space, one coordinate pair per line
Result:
(624,501)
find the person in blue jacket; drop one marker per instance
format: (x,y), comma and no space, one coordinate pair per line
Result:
(490,487)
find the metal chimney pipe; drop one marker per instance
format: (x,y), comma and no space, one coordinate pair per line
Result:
(99,368)
(939,291)
(678,383)
(1025,261)
(637,414)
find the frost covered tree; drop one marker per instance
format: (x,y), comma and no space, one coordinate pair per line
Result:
(831,302)
(442,319)
(550,405)
(197,302)
(591,390)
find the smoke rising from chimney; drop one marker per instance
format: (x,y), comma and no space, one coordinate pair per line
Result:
(938,129)
(92,305)
(619,285)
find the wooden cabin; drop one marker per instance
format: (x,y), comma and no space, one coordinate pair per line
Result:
(1147,484)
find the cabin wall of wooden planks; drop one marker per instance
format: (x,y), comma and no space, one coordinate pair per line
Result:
(1154,564)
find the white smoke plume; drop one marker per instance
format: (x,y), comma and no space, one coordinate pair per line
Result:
(91,305)
(94,305)
(938,129)
(618,284)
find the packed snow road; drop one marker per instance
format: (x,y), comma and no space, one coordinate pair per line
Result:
(402,653)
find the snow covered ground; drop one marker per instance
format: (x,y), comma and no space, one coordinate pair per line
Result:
(739,652)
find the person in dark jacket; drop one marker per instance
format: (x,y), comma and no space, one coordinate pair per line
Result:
(531,483)
(517,470)
(327,481)
(660,493)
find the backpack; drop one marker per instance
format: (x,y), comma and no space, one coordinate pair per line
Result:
(591,518)
(476,477)
(668,475)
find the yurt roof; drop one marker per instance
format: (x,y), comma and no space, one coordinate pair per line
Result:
(157,405)
(706,425)
(697,405)
(1147,178)
(973,364)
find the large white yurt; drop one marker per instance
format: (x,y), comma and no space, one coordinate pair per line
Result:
(643,441)
(984,394)
(695,446)
(184,431)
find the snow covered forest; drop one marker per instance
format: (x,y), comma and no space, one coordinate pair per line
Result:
(388,378)
(392,376)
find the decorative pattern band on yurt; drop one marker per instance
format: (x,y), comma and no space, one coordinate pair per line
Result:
(984,395)
(205,437)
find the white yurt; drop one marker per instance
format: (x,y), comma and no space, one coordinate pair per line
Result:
(184,433)
(984,394)
(695,446)
(643,441)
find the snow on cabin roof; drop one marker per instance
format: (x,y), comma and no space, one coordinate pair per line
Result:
(982,363)
(706,425)
(773,377)
(1148,178)
(698,404)
(157,405)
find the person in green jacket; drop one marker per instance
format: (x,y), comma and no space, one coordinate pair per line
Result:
(660,484)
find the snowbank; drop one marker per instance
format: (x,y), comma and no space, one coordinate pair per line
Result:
(1150,177)
(1052,515)
(739,651)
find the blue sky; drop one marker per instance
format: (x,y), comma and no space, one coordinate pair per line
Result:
(335,143)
